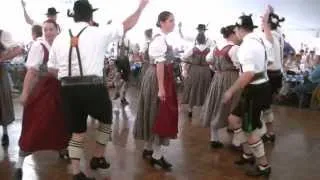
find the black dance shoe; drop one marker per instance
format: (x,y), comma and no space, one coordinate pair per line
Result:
(18,174)
(116,96)
(216,145)
(124,102)
(230,131)
(244,161)
(269,138)
(236,148)
(161,163)
(5,140)
(81,176)
(64,155)
(189,114)
(257,172)
(99,163)
(147,154)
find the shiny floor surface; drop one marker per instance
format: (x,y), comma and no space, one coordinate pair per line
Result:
(294,156)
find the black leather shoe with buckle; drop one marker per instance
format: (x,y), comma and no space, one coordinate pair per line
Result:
(99,163)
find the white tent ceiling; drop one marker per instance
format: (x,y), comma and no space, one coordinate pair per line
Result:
(302,16)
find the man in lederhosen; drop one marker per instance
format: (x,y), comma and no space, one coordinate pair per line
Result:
(254,84)
(271,24)
(77,58)
(123,67)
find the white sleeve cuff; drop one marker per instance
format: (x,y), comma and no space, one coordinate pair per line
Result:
(248,68)
(160,59)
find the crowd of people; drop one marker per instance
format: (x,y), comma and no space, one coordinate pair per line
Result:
(68,73)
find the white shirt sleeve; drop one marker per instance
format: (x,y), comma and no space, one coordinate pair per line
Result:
(246,56)
(187,54)
(7,41)
(158,49)
(52,62)
(210,57)
(35,56)
(233,54)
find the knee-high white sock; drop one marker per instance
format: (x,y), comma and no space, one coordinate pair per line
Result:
(22,156)
(5,130)
(239,137)
(19,164)
(157,151)
(103,133)
(148,145)
(257,149)
(75,149)
(268,116)
(214,135)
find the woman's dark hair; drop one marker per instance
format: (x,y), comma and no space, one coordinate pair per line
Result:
(36,30)
(52,22)
(201,38)
(163,16)
(275,20)
(227,31)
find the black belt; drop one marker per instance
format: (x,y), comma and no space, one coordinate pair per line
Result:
(81,81)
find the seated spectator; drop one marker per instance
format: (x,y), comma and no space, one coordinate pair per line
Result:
(292,65)
(309,85)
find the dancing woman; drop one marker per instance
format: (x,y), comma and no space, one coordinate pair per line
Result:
(225,63)
(43,123)
(197,82)
(157,117)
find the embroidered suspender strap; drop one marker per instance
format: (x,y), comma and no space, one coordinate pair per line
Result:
(45,54)
(261,75)
(74,43)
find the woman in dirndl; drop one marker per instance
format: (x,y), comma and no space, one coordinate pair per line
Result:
(43,122)
(198,74)
(157,117)
(7,52)
(225,64)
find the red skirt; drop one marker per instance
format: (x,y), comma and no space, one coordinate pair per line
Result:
(166,123)
(43,123)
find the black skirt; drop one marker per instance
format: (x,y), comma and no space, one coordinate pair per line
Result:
(253,101)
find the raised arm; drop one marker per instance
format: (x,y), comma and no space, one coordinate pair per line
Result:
(182,36)
(132,20)
(266,27)
(25,13)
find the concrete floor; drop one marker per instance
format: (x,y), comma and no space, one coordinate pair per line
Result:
(294,156)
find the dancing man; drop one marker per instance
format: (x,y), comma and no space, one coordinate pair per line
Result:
(254,84)
(123,66)
(77,58)
(271,24)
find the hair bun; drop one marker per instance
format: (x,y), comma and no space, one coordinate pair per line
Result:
(223,30)
(158,24)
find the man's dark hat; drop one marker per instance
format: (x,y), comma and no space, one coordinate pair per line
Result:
(202,27)
(245,21)
(52,11)
(275,20)
(81,7)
